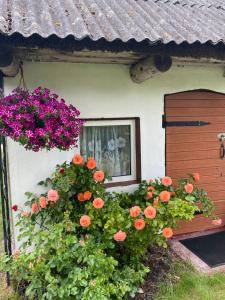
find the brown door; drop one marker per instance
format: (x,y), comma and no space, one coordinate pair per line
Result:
(197,148)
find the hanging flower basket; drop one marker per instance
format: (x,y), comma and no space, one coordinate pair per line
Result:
(39,120)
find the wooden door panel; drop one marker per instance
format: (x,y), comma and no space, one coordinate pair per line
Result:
(197,149)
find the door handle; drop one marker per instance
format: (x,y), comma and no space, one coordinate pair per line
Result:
(221,137)
(222,151)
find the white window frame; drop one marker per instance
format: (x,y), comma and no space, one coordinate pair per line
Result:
(116,122)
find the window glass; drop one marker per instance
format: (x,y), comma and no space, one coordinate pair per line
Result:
(110,145)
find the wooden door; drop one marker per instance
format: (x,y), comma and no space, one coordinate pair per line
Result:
(197,148)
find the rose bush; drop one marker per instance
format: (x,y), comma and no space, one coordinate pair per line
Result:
(79,241)
(39,120)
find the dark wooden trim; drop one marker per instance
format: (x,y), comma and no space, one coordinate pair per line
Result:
(138,149)
(193,91)
(111,119)
(165,146)
(122,183)
(4,190)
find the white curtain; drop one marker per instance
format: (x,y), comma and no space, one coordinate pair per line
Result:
(110,146)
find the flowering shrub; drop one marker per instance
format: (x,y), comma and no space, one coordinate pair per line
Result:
(88,243)
(39,120)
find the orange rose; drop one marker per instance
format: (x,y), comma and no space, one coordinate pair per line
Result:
(189,188)
(91,163)
(164,196)
(150,212)
(135,211)
(99,176)
(90,158)
(167,232)
(53,195)
(35,208)
(196,177)
(87,195)
(43,202)
(98,203)
(85,221)
(80,197)
(151,188)
(217,222)
(78,159)
(149,195)
(155,202)
(120,236)
(167,181)
(139,224)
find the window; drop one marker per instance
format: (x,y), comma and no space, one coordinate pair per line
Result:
(115,145)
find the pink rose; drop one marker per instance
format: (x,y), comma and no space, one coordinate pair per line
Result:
(217,222)
(120,236)
(166,181)
(53,195)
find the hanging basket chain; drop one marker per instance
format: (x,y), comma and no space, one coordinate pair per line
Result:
(22,83)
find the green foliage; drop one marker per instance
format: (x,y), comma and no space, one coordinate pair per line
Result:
(60,258)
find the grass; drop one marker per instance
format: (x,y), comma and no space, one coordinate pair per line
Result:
(188,284)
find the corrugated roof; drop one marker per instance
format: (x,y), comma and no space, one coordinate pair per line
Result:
(154,20)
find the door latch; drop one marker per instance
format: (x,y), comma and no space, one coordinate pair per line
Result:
(221,137)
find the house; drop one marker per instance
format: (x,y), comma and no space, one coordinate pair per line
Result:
(148,75)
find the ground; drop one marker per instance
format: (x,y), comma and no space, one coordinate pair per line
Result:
(172,279)
(169,279)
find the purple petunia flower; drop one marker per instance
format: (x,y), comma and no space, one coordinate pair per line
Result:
(42,117)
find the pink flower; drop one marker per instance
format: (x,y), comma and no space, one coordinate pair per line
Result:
(120,236)
(135,211)
(139,224)
(151,188)
(78,159)
(15,207)
(155,202)
(166,181)
(150,212)
(25,214)
(217,222)
(99,176)
(167,232)
(189,188)
(98,203)
(85,221)
(53,195)
(35,208)
(43,202)
(149,195)
(196,177)
(16,253)
(164,196)
(87,195)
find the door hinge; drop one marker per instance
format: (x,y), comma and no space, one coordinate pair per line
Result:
(182,123)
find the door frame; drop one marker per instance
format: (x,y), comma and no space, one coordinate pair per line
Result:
(4,190)
(164,113)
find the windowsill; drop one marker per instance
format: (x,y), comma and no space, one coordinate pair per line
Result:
(122,183)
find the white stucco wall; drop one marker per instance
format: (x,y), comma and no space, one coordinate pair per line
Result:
(104,91)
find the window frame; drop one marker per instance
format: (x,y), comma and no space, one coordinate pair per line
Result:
(137,146)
